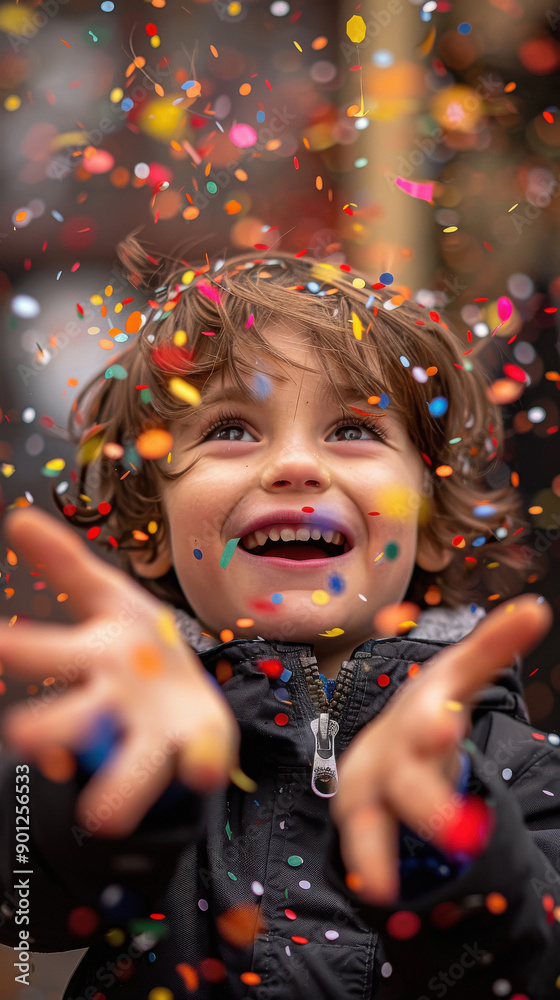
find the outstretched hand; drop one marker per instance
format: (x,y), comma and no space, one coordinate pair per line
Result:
(402,765)
(125,660)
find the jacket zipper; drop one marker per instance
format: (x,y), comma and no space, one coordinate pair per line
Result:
(324,774)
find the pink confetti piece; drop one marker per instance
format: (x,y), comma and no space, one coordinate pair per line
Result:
(414,189)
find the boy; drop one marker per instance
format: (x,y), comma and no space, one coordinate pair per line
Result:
(276,458)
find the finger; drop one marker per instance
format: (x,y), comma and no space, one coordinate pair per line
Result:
(36,650)
(204,762)
(30,725)
(512,629)
(93,586)
(122,791)
(369,848)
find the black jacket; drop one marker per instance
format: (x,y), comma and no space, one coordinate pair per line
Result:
(191,881)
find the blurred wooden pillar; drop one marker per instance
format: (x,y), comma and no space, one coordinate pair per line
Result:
(390,230)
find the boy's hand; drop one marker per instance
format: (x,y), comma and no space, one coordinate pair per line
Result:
(402,765)
(131,664)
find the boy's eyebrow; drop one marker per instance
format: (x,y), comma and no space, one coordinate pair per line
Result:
(234,394)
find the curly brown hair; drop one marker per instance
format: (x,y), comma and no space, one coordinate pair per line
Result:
(208,320)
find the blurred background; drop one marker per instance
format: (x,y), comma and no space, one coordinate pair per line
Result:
(416,138)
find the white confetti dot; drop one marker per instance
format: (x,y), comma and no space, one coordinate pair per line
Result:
(202,905)
(507,773)
(501,987)
(332,935)
(386,970)
(287,950)
(362,598)
(28,415)
(304,884)
(554,738)
(547,793)
(257,888)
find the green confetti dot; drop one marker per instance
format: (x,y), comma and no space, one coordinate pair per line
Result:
(391,550)
(228,552)
(295,861)
(145,395)
(232,876)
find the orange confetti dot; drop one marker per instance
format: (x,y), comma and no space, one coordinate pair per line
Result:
(11,557)
(213,970)
(107,345)
(71,381)
(432,370)
(140,536)
(354,881)
(394,619)
(133,322)
(250,978)
(226,635)
(495,902)
(224,671)
(191,212)
(147,659)
(514,479)
(509,87)
(188,975)
(232,207)
(444,470)
(214,51)
(245,89)
(319,43)
(159,90)
(154,443)
(240,924)
(61,598)
(433,595)
(536,509)
(413,669)
(244,622)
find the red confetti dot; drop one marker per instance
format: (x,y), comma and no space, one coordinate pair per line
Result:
(469,828)
(445,915)
(383,680)
(434,315)
(345,267)
(46,421)
(403,925)
(296,163)
(537,736)
(69,509)
(281,719)
(212,970)
(113,542)
(94,532)
(151,29)
(299,940)
(374,513)
(308,510)
(548,901)
(157,916)
(82,921)
(515,372)
(290,914)
(272,668)
(458,540)
(104,507)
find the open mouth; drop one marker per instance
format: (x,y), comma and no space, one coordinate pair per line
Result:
(282,543)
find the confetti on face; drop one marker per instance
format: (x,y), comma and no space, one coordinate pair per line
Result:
(227,554)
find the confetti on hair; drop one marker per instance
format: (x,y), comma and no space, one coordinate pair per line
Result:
(184,391)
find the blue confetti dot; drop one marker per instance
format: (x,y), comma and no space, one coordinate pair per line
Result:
(260,116)
(313,286)
(277,598)
(476,542)
(370,301)
(404,361)
(474,608)
(382,58)
(464,28)
(188,84)
(484,510)
(262,386)
(197,553)
(127,104)
(384,401)
(386,278)
(336,584)
(285,675)
(107,6)
(56,215)
(438,406)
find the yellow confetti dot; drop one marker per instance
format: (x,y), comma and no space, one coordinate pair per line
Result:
(13,102)
(108,291)
(451,229)
(184,391)
(180,338)
(55,464)
(331,632)
(298,46)
(152,527)
(160,993)
(356,29)
(454,706)
(320,597)
(115,937)
(357,326)
(242,780)
(167,629)
(116,95)
(379,556)
(61,598)
(358,282)
(513,206)
(93,330)
(509,609)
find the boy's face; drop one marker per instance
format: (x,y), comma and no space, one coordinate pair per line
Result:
(289,456)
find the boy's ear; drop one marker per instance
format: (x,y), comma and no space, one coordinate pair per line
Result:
(430,557)
(151,570)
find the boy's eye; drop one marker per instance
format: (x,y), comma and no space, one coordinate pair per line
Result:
(234,429)
(356,432)
(223,433)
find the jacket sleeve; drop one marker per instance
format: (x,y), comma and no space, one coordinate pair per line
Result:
(491,928)
(75,885)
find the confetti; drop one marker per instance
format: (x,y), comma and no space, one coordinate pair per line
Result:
(228,552)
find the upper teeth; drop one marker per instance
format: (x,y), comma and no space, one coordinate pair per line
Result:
(288,534)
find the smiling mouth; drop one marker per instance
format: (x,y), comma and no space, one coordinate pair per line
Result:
(295,550)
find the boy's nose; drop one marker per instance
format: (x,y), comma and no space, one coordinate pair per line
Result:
(296,474)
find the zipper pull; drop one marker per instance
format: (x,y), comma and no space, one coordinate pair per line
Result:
(324,779)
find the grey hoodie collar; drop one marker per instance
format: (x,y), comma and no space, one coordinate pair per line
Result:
(439,624)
